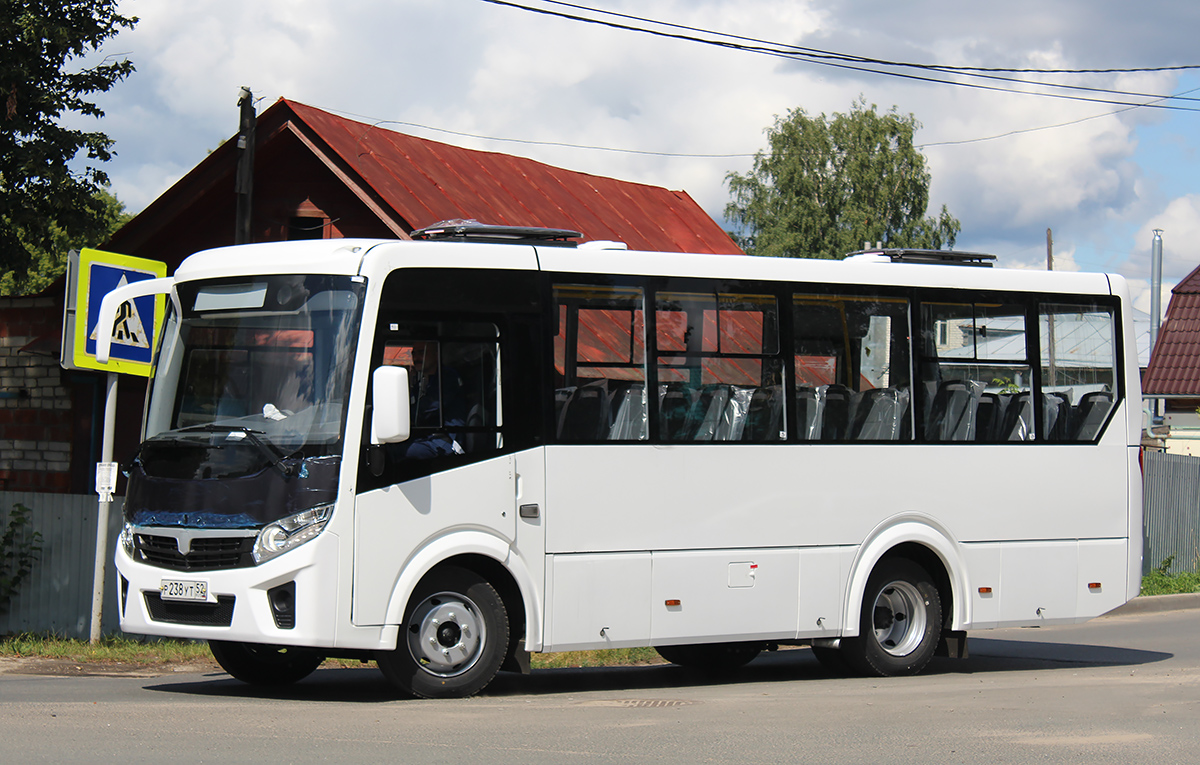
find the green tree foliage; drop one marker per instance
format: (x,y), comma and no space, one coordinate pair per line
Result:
(47,198)
(827,185)
(48,263)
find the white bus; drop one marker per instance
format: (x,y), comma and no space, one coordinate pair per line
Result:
(447,454)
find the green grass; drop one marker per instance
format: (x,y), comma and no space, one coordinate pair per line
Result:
(1161,583)
(616,657)
(110,650)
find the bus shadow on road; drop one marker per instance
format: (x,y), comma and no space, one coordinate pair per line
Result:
(367,685)
(995,655)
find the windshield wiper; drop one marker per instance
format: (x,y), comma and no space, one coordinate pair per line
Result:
(274,454)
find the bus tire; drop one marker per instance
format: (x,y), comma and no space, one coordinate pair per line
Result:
(265,664)
(453,639)
(900,623)
(713,658)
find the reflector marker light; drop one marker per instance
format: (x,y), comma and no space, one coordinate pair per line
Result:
(673,602)
(1094,586)
(985,590)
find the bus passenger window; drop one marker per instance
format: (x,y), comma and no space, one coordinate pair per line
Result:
(599,364)
(720,377)
(976,381)
(851,363)
(1079,370)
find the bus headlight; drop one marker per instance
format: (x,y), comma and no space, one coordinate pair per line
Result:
(286,533)
(126,539)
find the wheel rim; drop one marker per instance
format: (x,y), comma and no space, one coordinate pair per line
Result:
(899,618)
(446,634)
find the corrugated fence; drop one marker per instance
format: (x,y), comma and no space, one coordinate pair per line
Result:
(1172,511)
(56,597)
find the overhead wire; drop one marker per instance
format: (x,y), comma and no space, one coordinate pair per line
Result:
(865,64)
(804,53)
(855,57)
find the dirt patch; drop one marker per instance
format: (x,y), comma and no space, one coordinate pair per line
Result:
(37,665)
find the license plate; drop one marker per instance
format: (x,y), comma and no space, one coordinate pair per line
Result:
(180,589)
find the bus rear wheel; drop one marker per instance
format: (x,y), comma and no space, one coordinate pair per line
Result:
(265,664)
(900,623)
(453,639)
(714,658)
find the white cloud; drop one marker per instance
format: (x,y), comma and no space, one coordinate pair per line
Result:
(1180,226)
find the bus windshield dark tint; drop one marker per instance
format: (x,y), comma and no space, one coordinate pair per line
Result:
(272,355)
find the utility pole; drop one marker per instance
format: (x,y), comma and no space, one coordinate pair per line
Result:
(243,185)
(1049,250)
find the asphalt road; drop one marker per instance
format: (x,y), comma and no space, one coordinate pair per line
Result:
(1123,689)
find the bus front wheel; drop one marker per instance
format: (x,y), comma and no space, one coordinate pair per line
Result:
(900,623)
(453,640)
(265,664)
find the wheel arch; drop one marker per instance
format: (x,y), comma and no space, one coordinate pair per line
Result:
(491,558)
(927,543)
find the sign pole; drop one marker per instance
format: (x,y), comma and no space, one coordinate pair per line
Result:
(131,325)
(105,483)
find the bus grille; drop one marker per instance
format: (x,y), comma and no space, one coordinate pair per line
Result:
(206,553)
(219,614)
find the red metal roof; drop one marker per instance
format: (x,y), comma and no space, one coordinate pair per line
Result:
(427,181)
(1174,367)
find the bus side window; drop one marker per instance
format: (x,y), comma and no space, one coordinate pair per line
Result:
(454,394)
(1079,370)
(718,363)
(599,364)
(851,364)
(976,380)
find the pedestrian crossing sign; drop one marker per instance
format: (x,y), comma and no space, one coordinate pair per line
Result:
(138,321)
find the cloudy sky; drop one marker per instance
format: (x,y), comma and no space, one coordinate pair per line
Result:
(1009,166)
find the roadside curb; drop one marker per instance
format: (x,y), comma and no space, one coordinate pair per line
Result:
(1153,603)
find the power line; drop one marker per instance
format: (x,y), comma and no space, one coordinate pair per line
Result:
(860,63)
(374,122)
(1037,129)
(862,59)
(377,122)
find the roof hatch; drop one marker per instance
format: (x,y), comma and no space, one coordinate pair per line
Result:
(474,231)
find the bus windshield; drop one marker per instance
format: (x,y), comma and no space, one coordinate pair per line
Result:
(251,383)
(271,355)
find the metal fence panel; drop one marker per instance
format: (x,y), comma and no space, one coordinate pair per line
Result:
(56,597)
(1172,511)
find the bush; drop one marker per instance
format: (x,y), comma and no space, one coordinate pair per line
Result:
(1159,582)
(19,548)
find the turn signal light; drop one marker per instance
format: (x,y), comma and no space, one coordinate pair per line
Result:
(1094,586)
(673,602)
(985,590)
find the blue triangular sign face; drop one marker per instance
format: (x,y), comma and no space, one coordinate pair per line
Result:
(128,329)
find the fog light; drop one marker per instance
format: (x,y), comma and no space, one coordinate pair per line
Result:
(283,605)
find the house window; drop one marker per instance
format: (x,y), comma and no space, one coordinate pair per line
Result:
(305,227)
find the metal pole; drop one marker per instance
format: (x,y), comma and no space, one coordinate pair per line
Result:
(103,508)
(1155,304)
(1156,257)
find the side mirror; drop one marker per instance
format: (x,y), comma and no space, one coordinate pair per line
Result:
(389,405)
